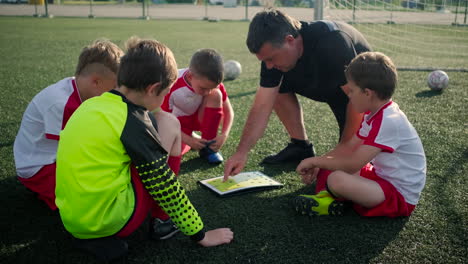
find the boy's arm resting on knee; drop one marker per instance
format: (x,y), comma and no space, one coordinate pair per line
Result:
(163,186)
(349,156)
(347,163)
(149,157)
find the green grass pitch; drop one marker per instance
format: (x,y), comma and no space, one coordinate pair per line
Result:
(38,52)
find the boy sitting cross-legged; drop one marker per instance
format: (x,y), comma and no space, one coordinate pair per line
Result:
(200,102)
(111,164)
(382,169)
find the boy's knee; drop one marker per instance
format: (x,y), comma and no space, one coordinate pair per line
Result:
(214,97)
(169,131)
(168,121)
(336,180)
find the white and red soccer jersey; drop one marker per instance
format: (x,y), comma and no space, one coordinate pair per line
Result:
(182,99)
(44,118)
(402,161)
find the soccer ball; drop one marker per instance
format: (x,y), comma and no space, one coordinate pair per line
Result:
(437,80)
(232,69)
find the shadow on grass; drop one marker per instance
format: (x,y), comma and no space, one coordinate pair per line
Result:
(199,164)
(31,232)
(446,203)
(195,163)
(428,93)
(238,95)
(266,228)
(273,170)
(7,144)
(8,132)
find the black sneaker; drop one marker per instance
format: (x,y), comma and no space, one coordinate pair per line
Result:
(291,153)
(210,155)
(161,230)
(104,249)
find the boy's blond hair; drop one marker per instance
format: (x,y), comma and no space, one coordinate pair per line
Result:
(147,62)
(374,71)
(101,56)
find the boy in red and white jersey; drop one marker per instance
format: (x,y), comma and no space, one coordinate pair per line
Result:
(200,102)
(112,177)
(35,146)
(382,169)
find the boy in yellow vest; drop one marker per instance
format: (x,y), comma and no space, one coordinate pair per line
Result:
(112,169)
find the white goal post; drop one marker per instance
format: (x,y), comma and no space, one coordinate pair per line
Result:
(420,35)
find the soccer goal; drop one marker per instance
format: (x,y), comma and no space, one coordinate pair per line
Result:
(421,35)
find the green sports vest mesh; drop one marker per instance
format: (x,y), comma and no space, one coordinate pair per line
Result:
(100,142)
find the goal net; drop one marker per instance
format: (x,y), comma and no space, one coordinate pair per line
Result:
(417,34)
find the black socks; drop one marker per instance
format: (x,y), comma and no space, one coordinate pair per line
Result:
(301,142)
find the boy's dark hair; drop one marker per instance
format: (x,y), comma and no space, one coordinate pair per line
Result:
(271,25)
(101,55)
(208,63)
(145,63)
(374,71)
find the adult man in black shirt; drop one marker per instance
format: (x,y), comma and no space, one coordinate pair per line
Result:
(297,58)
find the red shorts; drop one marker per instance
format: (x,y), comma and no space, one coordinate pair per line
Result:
(43,183)
(394,204)
(144,203)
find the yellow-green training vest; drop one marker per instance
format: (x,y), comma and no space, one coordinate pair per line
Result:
(94,194)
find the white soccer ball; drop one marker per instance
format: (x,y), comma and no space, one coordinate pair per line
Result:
(232,69)
(437,80)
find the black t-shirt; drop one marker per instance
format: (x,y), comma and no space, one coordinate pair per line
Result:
(319,73)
